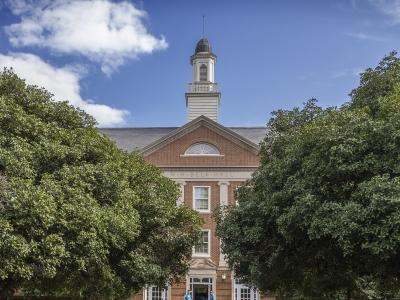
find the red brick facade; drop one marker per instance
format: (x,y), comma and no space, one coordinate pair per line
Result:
(207,217)
(233,154)
(218,172)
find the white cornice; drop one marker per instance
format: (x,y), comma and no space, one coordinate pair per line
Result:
(207,175)
(206,167)
(194,124)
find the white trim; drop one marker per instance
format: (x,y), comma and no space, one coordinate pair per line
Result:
(202,211)
(165,292)
(223,201)
(217,168)
(181,199)
(196,123)
(208,254)
(254,294)
(208,175)
(232,286)
(204,143)
(223,192)
(211,275)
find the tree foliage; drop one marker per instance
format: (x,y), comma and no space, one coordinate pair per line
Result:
(78,216)
(320,218)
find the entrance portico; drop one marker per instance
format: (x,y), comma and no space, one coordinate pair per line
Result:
(201,287)
(201,279)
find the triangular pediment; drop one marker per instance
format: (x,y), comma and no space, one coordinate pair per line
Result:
(195,124)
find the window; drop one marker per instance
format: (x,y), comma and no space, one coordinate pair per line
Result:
(156,293)
(201,198)
(203,72)
(203,247)
(202,149)
(245,292)
(200,284)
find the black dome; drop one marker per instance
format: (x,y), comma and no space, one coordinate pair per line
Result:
(203,46)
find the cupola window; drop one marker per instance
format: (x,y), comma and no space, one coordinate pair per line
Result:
(203,72)
(202,149)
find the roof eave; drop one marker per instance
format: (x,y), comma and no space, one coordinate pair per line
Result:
(202,119)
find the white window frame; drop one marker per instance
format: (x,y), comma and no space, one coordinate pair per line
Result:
(208,254)
(203,66)
(237,290)
(202,154)
(147,295)
(194,199)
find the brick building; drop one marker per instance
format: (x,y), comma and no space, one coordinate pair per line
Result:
(208,161)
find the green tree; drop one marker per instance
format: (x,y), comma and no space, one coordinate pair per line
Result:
(78,216)
(376,83)
(320,218)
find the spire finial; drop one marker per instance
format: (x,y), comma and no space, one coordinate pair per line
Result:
(204,21)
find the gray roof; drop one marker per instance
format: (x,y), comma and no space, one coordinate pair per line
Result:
(131,139)
(203,46)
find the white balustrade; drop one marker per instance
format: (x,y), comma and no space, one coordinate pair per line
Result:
(203,87)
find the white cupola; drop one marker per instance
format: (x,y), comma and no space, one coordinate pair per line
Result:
(203,97)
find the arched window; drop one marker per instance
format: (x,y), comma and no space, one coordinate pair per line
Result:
(202,149)
(203,72)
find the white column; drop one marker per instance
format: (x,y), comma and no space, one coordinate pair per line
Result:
(145,293)
(212,76)
(181,199)
(196,71)
(223,192)
(209,71)
(223,201)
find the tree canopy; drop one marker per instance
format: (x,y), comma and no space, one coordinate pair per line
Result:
(320,218)
(78,216)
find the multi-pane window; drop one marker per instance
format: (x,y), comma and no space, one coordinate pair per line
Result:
(156,293)
(202,149)
(245,292)
(201,198)
(202,248)
(203,73)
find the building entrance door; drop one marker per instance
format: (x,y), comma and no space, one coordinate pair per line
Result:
(201,287)
(201,292)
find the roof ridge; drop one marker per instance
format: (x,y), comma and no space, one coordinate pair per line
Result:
(126,128)
(173,127)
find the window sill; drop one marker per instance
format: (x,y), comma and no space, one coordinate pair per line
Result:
(198,255)
(203,211)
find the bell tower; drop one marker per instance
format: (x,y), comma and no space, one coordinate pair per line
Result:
(202,97)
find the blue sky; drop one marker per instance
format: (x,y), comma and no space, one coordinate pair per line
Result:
(128,62)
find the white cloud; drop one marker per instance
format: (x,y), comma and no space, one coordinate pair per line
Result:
(389,7)
(63,83)
(346,73)
(365,37)
(105,32)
